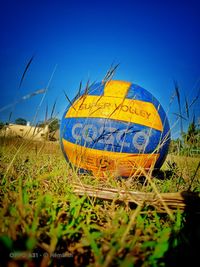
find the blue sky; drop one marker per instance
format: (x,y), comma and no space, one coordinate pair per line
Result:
(155,42)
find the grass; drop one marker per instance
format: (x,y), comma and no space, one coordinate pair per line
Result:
(43,223)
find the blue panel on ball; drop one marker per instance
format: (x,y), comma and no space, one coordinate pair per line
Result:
(111,135)
(96,89)
(137,92)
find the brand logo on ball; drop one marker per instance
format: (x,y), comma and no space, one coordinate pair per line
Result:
(90,133)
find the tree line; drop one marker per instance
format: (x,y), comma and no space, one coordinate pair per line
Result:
(53,123)
(188,143)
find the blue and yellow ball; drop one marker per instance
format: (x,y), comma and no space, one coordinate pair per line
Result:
(115,128)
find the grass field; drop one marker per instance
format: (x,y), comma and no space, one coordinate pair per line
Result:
(43,223)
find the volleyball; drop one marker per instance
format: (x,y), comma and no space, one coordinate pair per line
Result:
(115,128)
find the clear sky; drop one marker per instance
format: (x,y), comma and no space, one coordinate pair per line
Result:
(155,42)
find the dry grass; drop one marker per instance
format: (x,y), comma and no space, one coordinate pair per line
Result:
(44,223)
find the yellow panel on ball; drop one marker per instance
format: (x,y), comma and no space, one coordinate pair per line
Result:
(127,110)
(102,163)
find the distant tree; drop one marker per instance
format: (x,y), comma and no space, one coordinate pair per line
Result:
(174,146)
(41,124)
(1,125)
(54,124)
(190,138)
(21,121)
